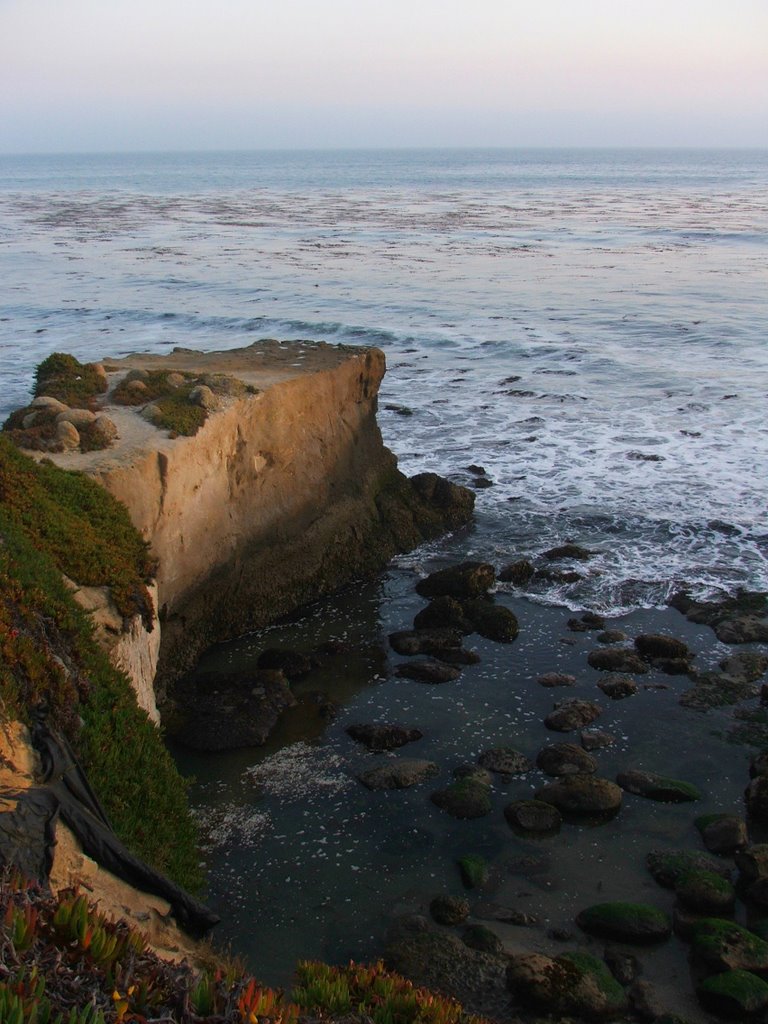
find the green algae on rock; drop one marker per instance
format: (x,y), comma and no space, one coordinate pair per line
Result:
(657,787)
(576,982)
(723,946)
(474,870)
(625,922)
(734,993)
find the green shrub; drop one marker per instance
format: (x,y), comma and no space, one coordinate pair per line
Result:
(72,382)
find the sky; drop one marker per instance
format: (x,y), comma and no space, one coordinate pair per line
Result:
(110,75)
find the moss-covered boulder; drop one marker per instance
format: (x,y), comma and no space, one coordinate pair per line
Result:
(442,613)
(477,936)
(533,817)
(668,866)
(465,798)
(474,870)
(574,983)
(493,621)
(705,892)
(722,833)
(720,945)
(752,862)
(560,759)
(74,383)
(582,796)
(617,659)
(734,994)
(657,787)
(625,922)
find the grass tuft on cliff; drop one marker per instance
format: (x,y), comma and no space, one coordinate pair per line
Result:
(53,522)
(169,392)
(72,382)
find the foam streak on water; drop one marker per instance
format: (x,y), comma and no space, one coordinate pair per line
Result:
(589,327)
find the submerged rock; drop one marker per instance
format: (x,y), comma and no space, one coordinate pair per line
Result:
(652,645)
(474,870)
(449,910)
(735,620)
(657,787)
(466,798)
(735,994)
(398,773)
(428,671)
(504,761)
(617,687)
(533,816)
(724,946)
(668,866)
(617,659)
(433,641)
(477,936)
(493,621)
(705,892)
(572,714)
(520,573)
(596,739)
(380,736)
(625,922)
(569,551)
(566,759)
(582,796)
(722,833)
(552,679)
(293,664)
(443,613)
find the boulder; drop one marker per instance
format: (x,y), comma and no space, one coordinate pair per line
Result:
(752,862)
(520,573)
(67,436)
(432,641)
(565,759)
(582,796)
(473,870)
(625,922)
(465,798)
(467,580)
(504,761)
(572,714)
(493,621)
(454,503)
(722,833)
(668,866)
(444,613)
(449,910)
(622,965)
(735,620)
(532,817)
(474,772)
(105,429)
(734,994)
(617,659)
(380,736)
(657,787)
(704,892)
(77,417)
(747,665)
(552,679)
(617,687)
(569,551)
(724,946)
(574,983)
(611,636)
(398,773)
(48,403)
(595,739)
(477,936)
(653,645)
(203,396)
(428,671)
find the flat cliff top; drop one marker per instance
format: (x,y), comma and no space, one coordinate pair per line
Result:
(139,420)
(261,364)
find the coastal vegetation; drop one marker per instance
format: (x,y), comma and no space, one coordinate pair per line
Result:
(55,524)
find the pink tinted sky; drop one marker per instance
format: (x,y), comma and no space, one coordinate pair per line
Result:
(205,74)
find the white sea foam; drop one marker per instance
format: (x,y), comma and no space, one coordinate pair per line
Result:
(301,771)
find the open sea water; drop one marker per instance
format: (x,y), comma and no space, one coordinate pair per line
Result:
(590,326)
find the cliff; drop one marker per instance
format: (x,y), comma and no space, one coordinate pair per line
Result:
(285,491)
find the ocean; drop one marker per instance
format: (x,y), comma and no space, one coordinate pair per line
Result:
(588,327)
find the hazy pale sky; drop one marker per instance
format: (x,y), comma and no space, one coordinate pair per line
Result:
(87,75)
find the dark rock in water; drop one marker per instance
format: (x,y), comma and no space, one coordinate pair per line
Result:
(476,470)
(622,965)
(474,870)
(443,613)
(441,961)
(756,798)
(574,983)
(593,620)
(646,1002)
(474,772)
(566,759)
(570,551)
(467,580)
(722,833)
(625,922)
(582,796)
(733,994)
(724,946)
(735,620)
(611,636)
(558,576)
(668,866)
(657,787)
(454,503)
(752,862)
(379,736)
(401,410)
(398,773)
(595,739)
(428,671)
(651,645)
(481,482)
(228,712)
(577,626)
(572,714)
(506,915)
(477,936)
(644,457)
(617,659)
(747,665)
(449,910)
(552,679)
(617,686)
(704,892)
(520,573)
(493,621)
(293,664)
(504,761)
(466,798)
(460,656)
(425,641)
(532,816)
(716,690)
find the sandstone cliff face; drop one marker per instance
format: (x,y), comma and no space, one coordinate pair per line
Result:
(281,496)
